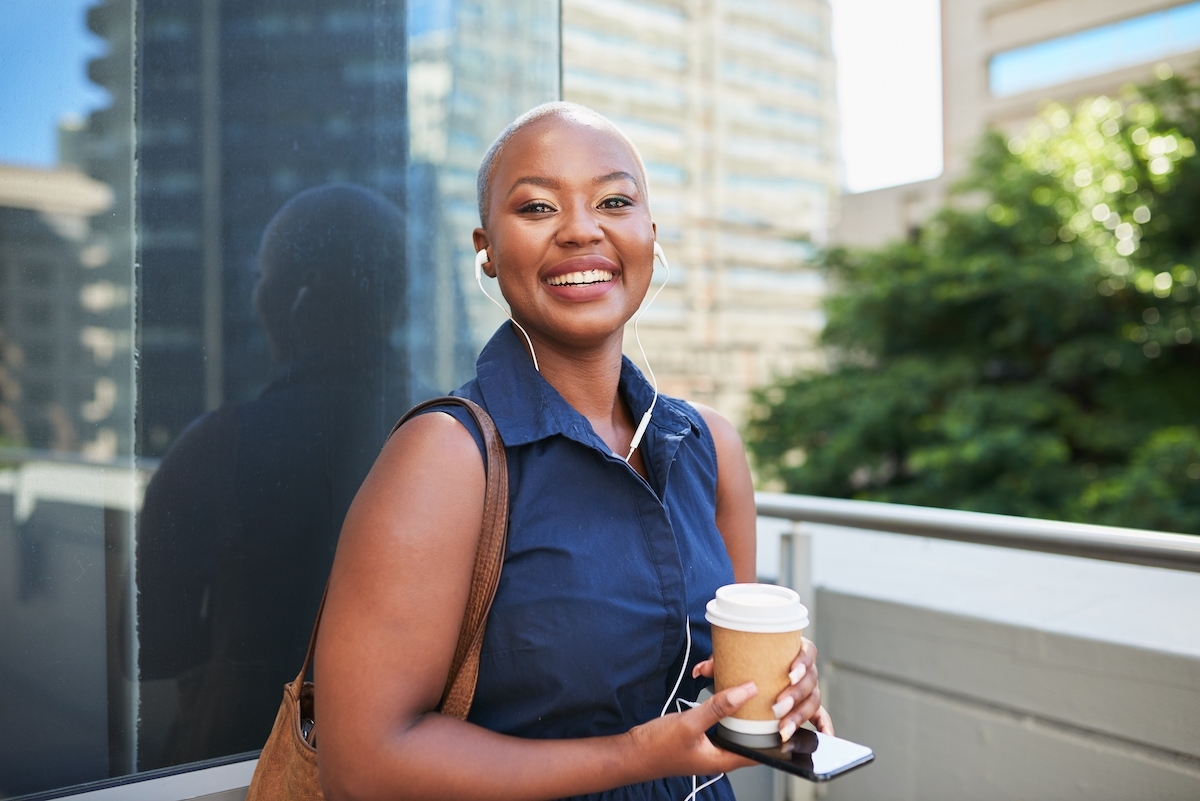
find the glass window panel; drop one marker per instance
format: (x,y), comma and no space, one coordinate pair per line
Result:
(209,320)
(1097,50)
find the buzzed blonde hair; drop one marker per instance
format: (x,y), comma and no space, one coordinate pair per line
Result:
(558,108)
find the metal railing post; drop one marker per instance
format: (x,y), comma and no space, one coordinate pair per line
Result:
(795,571)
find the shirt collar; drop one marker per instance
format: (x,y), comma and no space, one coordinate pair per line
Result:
(526,408)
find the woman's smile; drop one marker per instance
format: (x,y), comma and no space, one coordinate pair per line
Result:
(581,278)
(569,233)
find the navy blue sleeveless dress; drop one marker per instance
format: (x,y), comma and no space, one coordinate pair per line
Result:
(587,635)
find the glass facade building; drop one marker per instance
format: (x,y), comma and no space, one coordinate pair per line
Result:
(236,253)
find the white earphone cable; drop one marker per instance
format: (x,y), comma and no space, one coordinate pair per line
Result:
(680,703)
(687,654)
(645,421)
(481,257)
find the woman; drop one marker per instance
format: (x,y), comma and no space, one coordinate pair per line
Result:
(599,613)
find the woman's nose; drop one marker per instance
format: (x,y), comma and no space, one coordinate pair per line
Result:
(579,226)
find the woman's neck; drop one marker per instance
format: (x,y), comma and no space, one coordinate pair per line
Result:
(588,379)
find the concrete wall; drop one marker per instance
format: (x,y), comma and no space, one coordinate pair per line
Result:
(982,673)
(975,30)
(873,219)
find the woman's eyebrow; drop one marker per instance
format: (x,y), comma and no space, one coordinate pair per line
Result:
(535,180)
(613,176)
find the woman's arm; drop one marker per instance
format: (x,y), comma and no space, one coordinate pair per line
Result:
(736,514)
(397,595)
(737,521)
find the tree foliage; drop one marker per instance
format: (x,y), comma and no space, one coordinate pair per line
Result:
(1035,350)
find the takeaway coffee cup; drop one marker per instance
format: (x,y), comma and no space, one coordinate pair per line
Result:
(756,633)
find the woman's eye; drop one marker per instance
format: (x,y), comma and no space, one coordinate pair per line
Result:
(536,207)
(615,202)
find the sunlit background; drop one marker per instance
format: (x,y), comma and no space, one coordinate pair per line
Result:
(889,86)
(1028,346)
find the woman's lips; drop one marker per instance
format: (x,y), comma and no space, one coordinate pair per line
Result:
(581,278)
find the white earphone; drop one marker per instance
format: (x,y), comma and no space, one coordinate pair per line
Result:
(481,258)
(644,423)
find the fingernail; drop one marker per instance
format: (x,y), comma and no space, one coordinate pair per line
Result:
(796,674)
(783,707)
(696,672)
(742,693)
(787,730)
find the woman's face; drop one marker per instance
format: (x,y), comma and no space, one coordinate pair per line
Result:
(569,233)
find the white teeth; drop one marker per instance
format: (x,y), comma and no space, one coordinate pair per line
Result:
(580,277)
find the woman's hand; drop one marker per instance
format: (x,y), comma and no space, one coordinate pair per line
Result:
(799,702)
(678,745)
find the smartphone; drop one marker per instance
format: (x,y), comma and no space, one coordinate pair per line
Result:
(809,754)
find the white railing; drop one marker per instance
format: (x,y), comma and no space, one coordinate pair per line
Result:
(1155,548)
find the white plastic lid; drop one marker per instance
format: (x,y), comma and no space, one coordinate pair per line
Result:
(759,608)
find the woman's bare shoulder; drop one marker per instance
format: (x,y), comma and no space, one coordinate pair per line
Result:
(427,482)
(725,435)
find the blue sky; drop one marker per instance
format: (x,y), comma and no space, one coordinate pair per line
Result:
(46,47)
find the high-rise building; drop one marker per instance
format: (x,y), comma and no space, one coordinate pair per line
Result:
(732,105)
(474,67)
(1002,61)
(240,107)
(55,389)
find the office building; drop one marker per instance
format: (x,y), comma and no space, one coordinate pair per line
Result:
(1002,61)
(733,108)
(56,392)
(474,66)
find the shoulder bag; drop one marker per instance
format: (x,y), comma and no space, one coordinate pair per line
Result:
(287,767)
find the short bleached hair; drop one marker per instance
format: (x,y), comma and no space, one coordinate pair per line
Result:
(560,108)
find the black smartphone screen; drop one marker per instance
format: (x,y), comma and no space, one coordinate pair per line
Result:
(809,754)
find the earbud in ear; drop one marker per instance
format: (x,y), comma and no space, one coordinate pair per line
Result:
(481,258)
(662,257)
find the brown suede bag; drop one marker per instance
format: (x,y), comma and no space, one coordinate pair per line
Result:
(287,767)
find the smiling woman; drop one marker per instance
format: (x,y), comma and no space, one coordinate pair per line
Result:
(597,630)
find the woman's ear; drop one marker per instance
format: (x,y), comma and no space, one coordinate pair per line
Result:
(480,240)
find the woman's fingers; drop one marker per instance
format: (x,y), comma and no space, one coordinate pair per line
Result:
(799,702)
(802,678)
(678,743)
(823,722)
(805,709)
(725,703)
(806,658)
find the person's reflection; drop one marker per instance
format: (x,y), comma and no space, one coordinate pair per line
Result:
(240,521)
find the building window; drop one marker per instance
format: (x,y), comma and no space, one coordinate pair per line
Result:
(1132,41)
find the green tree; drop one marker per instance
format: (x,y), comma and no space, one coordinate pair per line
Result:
(1035,350)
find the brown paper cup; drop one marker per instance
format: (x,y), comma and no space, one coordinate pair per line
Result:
(756,632)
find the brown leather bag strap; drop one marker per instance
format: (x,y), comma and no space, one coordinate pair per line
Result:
(312,638)
(485,578)
(489,559)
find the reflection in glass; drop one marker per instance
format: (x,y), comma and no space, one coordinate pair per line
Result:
(68,489)
(221,309)
(239,523)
